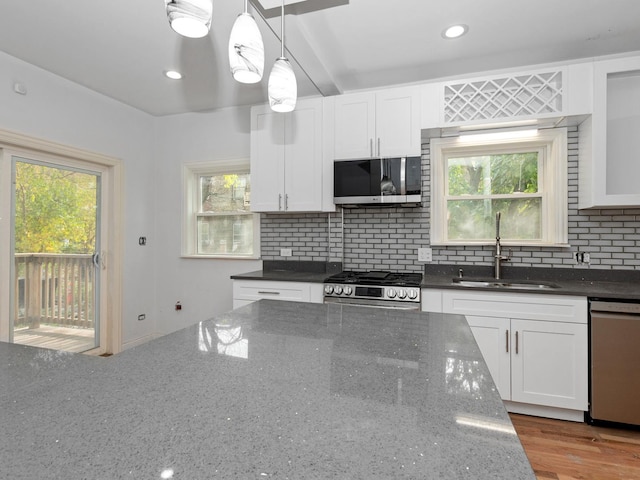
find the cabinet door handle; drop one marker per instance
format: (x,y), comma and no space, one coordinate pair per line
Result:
(286,201)
(279,201)
(507,339)
(516,342)
(371,147)
(379,154)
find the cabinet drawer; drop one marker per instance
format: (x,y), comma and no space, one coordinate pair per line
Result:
(245,291)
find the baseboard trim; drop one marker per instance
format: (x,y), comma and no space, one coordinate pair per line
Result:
(543,411)
(140,341)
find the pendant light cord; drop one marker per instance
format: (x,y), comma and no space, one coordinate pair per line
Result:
(282,30)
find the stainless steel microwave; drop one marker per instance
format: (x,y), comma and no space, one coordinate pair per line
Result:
(377,181)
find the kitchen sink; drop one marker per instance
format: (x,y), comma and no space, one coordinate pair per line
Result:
(505,284)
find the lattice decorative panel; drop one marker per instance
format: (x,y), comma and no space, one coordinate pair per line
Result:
(498,98)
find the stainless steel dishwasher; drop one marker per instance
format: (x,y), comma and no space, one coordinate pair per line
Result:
(615,362)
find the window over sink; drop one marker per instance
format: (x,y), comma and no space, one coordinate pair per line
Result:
(217,219)
(521,174)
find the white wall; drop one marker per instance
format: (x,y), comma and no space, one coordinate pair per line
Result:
(57,110)
(201,285)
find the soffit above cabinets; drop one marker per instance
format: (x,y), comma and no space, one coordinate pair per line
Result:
(267,4)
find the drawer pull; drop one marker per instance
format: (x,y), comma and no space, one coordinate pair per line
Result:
(268,293)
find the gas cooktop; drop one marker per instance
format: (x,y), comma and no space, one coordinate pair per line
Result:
(377,277)
(376,288)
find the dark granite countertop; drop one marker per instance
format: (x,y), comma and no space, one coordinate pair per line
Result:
(292,271)
(271,390)
(283,276)
(613,284)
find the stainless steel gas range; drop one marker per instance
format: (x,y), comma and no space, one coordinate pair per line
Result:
(374,289)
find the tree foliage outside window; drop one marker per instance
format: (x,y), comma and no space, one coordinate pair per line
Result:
(480,186)
(55,210)
(225,223)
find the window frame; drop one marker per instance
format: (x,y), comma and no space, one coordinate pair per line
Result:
(191,212)
(552,181)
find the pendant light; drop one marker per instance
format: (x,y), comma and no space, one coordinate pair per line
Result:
(190,18)
(283,89)
(246,50)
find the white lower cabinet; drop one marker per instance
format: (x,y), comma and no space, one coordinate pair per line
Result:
(536,347)
(247,291)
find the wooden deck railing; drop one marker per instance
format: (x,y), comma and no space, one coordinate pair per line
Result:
(55,289)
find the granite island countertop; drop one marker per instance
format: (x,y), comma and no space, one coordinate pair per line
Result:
(274,389)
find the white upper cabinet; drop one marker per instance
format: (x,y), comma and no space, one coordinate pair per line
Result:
(287,159)
(609,141)
(385,123)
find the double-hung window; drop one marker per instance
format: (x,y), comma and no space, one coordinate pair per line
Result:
(522,175)
(218,218)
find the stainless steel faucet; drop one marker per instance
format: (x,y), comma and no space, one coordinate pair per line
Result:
(499,258)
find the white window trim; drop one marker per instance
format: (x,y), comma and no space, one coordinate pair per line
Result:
(553,175)
(190,174)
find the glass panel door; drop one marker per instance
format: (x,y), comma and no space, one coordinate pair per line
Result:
(55,253)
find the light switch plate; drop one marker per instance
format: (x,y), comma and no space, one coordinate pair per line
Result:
(285,252)
(425,254)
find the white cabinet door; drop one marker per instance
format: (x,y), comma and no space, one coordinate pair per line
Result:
(287,159)
(609,142)
(354,125)
(549,363)
(303,182)
(398,129)
(385,123)
(492,335)
(267,160)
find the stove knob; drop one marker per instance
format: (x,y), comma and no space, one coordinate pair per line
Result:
(402,293)
(338,289)
(413,294)
(348,290)
(391,293)
(328,289)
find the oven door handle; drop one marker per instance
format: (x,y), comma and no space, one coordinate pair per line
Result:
(358,303)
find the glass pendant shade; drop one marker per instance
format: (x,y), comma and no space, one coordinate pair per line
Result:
(283,88)
(246,50)
(190,18)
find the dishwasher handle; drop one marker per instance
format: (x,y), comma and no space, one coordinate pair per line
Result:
(620,308)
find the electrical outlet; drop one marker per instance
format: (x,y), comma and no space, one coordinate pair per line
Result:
(285,252)
(583,257)
(425,254)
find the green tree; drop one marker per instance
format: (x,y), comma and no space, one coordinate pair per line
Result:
(55,210)
(479,181)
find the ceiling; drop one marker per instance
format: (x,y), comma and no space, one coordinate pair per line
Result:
(120,48)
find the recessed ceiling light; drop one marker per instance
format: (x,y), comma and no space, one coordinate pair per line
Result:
(455,31)
(173,74)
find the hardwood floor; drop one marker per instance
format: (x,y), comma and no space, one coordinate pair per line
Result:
(562,450)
